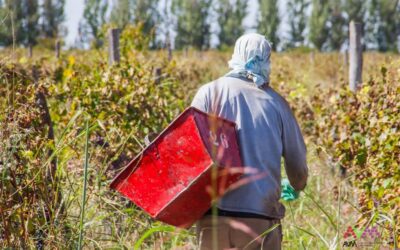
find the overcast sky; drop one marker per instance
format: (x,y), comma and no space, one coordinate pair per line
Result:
(74,11)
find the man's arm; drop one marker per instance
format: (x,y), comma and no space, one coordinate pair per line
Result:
(294,151)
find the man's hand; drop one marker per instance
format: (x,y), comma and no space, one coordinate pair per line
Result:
(288,193)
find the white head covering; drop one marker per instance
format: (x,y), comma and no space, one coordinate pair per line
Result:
(251,58)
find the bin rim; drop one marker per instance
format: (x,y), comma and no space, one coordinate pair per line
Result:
(114,183)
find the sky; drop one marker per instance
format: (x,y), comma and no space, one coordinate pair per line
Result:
(74,12)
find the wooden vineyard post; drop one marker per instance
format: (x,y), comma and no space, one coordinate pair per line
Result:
(51,176)
(113,46)
(345,58)
(57,48)
(30,50)
(157,75)
(312,57)
(41,102)
(168,45)
(355,55)
(186,52)
(169,52)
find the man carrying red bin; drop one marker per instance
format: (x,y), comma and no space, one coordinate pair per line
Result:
(267,130)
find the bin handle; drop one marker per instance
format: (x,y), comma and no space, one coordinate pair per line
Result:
(148,142)
(149,137)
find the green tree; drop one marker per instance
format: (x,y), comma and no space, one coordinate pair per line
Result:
(193,28)
(12,27)
(230,20)
(94,17)
(341,13)
(383,24)
(338,24)
(297,21)
(355,10)
(122,13)
(31,26)
(319,30)
(269,20)
(20,21)
(52,17)
(145,12)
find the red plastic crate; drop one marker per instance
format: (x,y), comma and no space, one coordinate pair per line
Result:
(171,178)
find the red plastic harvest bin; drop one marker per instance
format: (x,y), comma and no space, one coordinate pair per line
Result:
(171,178)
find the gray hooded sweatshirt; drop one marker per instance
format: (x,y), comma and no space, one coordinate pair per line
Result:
(267,130)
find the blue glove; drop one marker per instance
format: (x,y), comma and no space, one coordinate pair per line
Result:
(288,193)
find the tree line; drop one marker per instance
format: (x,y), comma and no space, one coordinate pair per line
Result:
(25,21)
(321,24)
